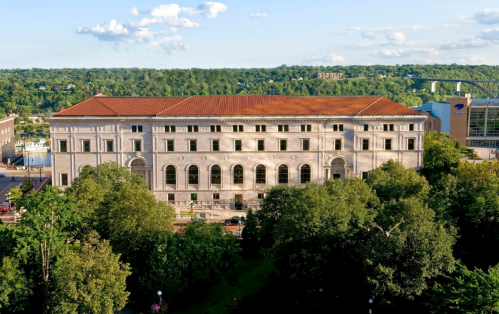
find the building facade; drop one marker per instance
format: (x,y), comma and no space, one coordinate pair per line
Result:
(226,151)
(7,138)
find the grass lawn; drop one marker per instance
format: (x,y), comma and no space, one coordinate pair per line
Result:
(250,277)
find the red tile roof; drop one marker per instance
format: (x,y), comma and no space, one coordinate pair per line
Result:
(236,105)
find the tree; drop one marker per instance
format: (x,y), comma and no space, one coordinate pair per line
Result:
(14,286)
(273,207)
(467,292)
(196,257)
(90,279)
(406,249)
(250,235)
(440,155)
(392,181)
(47,224)
(315,242)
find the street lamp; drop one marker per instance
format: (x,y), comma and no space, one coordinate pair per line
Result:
(160,299)
(10,202)
(370,305)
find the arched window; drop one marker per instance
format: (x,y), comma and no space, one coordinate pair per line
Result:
(171,176)
(193,175)
(305,174)
(260,174)
(283,174)
(216,175)
(238,174)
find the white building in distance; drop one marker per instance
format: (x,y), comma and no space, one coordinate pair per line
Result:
(226,151)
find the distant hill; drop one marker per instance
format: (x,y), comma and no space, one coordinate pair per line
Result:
(48,90)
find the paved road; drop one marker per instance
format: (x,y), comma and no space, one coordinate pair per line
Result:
(6,184)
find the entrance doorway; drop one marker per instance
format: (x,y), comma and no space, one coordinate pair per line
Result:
(139,168)
(338,169)
(239,201)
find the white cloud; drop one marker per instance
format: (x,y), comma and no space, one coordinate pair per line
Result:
(368,35)
(489,34)
(465,44)
(173,29)
(403,53)
(114,31)
(487,16)
(258,15)
(134,11)
(210,9)
(397,36)
(166,40)
(325,59)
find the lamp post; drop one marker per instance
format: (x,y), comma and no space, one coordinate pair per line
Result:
(10,202)
(40,170)
(160,299)
(370,305)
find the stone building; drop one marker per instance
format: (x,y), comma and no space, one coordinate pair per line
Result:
(226,151)
(332,76)
(7,138)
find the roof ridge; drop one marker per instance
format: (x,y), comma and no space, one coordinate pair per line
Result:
(106,106)
(368,105)
(159,113)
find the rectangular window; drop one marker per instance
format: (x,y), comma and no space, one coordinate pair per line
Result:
(261,145)
(365,144)
(261,196)
(410,144)
(283,144)
(63,146)
(411,127)
(215,145)
(337,144)
(194,197)
(216,196)
(170,146)
(365,174)
(64,179)
(366,127)
(306,128)
(306,144)
(171,197)
(170,128)
(192,128)
(238,145)
(192,145)
(137,147)
(340,127)
(134,128)
(261,128)
(385,127)
(139,128)
(215,128)
(237,128)
(86,146)
(109,145)
(388,144)
(391,127)
(283,128)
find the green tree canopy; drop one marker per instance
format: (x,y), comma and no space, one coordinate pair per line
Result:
(90,279)
(440,155)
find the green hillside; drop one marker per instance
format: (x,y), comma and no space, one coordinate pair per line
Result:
(20,89)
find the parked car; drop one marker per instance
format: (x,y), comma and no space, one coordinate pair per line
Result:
(4,207)
(2,175)
(234,221)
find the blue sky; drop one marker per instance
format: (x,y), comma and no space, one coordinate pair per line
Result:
(244,34)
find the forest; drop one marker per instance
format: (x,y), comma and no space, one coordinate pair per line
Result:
(35,91)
